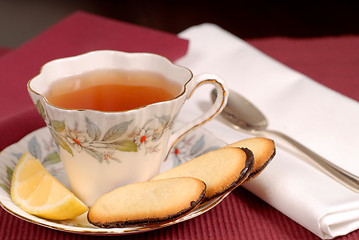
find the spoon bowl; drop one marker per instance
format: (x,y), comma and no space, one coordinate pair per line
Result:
(241,113)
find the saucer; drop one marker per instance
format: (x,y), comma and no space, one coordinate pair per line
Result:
(41,145)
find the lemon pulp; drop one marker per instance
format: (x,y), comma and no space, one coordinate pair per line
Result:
(39,193)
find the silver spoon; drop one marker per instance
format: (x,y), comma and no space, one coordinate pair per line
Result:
(243,115)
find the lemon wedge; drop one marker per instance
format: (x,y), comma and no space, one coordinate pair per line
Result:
(39,193)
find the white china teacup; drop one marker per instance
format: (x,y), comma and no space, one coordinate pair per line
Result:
(103,150)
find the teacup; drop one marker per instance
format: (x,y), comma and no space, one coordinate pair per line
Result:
(102,150)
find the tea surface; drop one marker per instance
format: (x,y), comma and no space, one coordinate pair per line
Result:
(111,90)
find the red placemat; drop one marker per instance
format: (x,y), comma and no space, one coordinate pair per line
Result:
(80,32)
(331,61)
(3,51)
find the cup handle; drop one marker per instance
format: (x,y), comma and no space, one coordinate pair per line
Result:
(215,109)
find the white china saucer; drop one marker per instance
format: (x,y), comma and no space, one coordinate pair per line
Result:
(40,144)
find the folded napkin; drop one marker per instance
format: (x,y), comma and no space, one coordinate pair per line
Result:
(76,34)
(316,116)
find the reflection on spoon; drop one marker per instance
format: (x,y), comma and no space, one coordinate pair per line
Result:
(243,115)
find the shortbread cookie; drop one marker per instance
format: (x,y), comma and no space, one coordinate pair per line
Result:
(222,170)
(263,150)
(147,203)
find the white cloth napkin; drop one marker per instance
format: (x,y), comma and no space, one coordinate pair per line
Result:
(314,115)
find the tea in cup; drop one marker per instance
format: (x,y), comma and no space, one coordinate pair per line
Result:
(112,114)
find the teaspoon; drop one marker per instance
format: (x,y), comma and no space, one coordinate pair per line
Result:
(243,115)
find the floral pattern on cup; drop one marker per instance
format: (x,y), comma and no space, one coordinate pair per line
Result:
(117,138)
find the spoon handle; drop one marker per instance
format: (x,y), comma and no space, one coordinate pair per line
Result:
(345,178)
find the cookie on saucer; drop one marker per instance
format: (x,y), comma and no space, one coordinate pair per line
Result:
(222,170)
(147,203)
(263,150)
